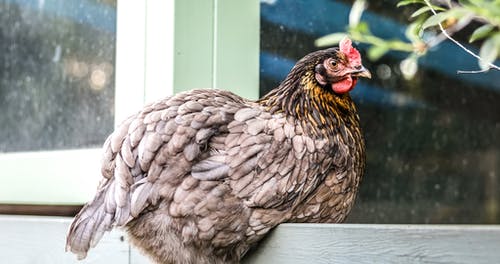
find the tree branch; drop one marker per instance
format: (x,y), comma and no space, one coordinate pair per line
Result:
(491,65)
(450,31)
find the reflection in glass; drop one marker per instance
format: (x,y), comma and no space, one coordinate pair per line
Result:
(432,141)
(56,73)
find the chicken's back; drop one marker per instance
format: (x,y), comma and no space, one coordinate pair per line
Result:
(146,168)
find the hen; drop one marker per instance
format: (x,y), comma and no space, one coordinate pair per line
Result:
(203,175)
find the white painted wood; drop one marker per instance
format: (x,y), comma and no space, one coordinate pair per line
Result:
(32,240)
(130,58)
(49,177)
(352,243)
(136,257)
(159,65)
(144,54)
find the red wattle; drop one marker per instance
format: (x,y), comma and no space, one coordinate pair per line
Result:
(344,85)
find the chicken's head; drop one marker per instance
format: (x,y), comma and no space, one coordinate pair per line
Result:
(339,68)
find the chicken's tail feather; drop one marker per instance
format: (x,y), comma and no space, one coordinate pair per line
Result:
(88,227)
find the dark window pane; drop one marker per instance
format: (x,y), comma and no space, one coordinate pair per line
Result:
(56,73)
(433,143)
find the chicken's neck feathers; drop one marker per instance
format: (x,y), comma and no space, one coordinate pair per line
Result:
(319,111)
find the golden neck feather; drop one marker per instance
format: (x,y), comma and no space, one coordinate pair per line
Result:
(318,110)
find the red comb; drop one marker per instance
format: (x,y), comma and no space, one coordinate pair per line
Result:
(351,53)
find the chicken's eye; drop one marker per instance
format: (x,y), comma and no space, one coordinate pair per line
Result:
(333,63)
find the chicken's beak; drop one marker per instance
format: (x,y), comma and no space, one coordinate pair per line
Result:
(363,72)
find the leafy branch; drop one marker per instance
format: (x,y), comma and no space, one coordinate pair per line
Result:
(433,22)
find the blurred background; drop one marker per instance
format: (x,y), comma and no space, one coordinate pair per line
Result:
(433,148)
(432,141)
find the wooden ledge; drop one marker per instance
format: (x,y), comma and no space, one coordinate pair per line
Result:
(30,239)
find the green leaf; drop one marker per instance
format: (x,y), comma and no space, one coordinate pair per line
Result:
(361,27)
(435,20)
(421,11)
(489,51)
(426,9)
(478,3)
(481,32)
(414,30)
(487,10)
(330,39)
(376,52)
(438,8)
(440,17)
(409,2)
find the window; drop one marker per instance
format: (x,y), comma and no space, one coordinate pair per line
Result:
(66,172)
(57,86)
(433,155)
(62,89)
(57,74)
(432,142)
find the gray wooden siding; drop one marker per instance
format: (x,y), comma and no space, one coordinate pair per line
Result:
(356,243)
(27,240)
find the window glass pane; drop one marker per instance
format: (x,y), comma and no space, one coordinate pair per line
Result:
(433,145)
(56,73)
